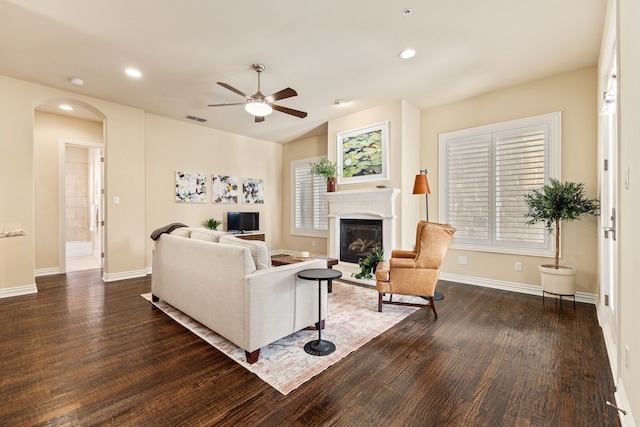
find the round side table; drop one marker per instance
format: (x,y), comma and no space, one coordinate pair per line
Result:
(320,347)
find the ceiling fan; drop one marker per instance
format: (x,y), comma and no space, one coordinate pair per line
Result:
(260,105)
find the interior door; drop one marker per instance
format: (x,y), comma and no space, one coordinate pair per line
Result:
(608,211)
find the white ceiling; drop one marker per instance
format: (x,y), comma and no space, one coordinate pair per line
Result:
(325,50)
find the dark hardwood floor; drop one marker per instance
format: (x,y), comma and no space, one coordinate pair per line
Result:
(83,352)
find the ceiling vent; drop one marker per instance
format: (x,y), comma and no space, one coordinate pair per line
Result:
(197,119)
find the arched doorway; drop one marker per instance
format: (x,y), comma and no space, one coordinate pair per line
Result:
(69,181)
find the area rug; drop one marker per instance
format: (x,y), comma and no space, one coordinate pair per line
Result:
(353,320)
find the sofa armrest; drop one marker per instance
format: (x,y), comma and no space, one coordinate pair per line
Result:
(278,303)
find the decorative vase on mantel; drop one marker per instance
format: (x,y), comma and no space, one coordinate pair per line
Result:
(331,184)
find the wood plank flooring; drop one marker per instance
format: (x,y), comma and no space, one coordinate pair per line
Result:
(83,352)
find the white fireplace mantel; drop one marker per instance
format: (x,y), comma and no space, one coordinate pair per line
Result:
(377,203)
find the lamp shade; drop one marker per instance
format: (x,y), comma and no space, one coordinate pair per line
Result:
(421,184)
(258,108)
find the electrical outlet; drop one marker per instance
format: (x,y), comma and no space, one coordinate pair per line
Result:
(462,260)
(518,266)
(313,243)
(116,200)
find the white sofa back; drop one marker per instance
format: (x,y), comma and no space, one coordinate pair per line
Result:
(218,285)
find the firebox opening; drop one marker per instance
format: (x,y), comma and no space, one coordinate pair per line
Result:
(358,238)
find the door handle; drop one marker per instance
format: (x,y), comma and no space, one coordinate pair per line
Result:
(608,230)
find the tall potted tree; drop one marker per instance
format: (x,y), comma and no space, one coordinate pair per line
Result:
(327,169)
(554,203)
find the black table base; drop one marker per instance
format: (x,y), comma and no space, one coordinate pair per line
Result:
(319,347)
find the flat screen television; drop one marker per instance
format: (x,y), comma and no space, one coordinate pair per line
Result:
(243,221)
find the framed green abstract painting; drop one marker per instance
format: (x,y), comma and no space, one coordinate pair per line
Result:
(363,154)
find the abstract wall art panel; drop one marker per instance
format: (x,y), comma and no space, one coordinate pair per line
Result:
(253,190)
(191,187)
(224,189)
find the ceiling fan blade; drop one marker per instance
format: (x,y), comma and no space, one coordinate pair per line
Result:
(226,104)
(291,111)
(259,119)
(233,89)
(283,94)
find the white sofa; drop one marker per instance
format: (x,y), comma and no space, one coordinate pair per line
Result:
(230,287)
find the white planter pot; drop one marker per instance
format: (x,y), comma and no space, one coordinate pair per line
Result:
(561,281)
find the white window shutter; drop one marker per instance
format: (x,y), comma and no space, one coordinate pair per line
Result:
(486,173)
(308,201)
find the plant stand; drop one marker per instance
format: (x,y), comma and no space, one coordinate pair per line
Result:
(559,298)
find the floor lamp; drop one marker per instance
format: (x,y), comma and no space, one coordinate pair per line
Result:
(421,186)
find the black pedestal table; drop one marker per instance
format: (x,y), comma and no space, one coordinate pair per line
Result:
(320,347)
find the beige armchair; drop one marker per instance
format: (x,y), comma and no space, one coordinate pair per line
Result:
(415,272)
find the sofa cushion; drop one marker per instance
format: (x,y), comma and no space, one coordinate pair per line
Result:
(259,250)
(182,232)
(206,234)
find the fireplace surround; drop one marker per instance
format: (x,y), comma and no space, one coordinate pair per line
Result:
(370,204)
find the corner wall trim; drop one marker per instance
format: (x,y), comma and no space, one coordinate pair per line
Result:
(18,291)
(511,286)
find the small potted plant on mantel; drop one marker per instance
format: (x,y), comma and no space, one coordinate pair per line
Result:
(554,203)
(327,169)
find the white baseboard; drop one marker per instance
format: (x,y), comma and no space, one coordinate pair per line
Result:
(511,286)
(47,271)
(135,274)
(623,402)
(18,291)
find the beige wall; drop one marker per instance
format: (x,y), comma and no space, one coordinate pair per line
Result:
(573,93)
(629,226)
(404,161)
(48,129)
(315,146)
(172,145)
(124,130)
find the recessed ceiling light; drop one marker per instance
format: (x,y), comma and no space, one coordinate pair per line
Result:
(341,102)
(76,81)
(407,53)
(132,72)
(406,12)
(65,107)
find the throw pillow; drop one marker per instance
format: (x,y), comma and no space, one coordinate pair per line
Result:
(182,232)
(259,250)
(206,234)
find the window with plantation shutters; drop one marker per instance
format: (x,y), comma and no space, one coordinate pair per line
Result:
(485,173)
(308,200)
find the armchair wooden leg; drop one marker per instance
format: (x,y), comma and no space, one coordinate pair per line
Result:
(433,307)
(380,302)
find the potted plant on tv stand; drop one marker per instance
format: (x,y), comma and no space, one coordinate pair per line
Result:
(554,203)
(327,169)
(211,223)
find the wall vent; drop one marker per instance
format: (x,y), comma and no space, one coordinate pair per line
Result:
(197,119)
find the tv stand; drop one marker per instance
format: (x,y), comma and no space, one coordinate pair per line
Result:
(250,235)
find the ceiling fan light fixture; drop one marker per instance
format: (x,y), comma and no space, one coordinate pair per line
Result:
(258,108)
